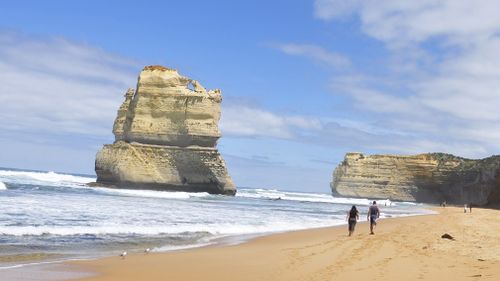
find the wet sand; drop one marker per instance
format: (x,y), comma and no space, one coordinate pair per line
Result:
(43,271)
(409,248)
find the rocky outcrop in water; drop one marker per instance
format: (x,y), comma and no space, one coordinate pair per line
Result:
(431,178)
(166,133)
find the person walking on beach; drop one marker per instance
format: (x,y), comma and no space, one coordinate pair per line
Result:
(352,218)
(373,215)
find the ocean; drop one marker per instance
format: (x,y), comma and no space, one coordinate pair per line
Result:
(54,216)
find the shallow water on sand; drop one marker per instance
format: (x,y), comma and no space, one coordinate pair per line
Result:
(42,272)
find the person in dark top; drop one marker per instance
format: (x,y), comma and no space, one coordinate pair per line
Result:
(352,218)
(373,215)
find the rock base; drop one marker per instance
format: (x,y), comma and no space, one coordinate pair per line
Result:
(159,167)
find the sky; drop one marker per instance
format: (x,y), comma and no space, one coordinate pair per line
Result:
(303,82)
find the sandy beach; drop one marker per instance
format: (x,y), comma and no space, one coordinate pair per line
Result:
(409,248)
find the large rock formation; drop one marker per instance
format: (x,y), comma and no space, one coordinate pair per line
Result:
(432,178)
(165,137)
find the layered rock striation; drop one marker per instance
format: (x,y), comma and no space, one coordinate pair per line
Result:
(431,178)
(166,133)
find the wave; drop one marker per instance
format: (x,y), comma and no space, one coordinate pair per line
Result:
(170,230)
(43,177)
(72,181)
(273,194)
(270,194)
(2,186)
(169,248)
(67,180)
(151,193)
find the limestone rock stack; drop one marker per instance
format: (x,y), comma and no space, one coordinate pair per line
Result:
(166,133)
(122,115)
(432,178)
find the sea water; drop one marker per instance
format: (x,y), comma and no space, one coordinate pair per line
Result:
(57,216)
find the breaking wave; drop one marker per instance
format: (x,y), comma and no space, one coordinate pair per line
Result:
(124,229)
(272,194)
(50,178)
(151,193)
(73,181)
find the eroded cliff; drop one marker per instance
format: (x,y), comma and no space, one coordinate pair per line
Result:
(432,178)
(166,133)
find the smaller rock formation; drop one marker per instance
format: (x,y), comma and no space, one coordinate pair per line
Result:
(430,177)
(166,133)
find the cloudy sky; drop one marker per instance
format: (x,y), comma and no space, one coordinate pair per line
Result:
(303,81)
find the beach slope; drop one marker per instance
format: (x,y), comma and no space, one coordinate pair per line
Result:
(409,248)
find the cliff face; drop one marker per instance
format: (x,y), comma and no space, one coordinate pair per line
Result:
(121,116)
(431,178)
(166,133)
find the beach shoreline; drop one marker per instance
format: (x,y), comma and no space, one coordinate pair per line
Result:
(52,267)
(406,246)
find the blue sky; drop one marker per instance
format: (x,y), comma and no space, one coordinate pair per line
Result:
(303,82)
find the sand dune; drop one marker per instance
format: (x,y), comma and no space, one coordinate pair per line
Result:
(408,248)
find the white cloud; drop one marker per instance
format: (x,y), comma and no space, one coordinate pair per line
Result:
(315,53)
(440,81)
(250,121)
(396,21)
(55,86)
(242,120)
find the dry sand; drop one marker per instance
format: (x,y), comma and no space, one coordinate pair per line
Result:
(408,248)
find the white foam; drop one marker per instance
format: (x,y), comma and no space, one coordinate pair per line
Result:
(247,226)
(299,196)
(273,194)
(151,193)
(223,228)
(43,177)
(2,186)
(168,248)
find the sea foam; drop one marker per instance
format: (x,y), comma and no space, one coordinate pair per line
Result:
(272,194)
(50,178)
(151,193)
